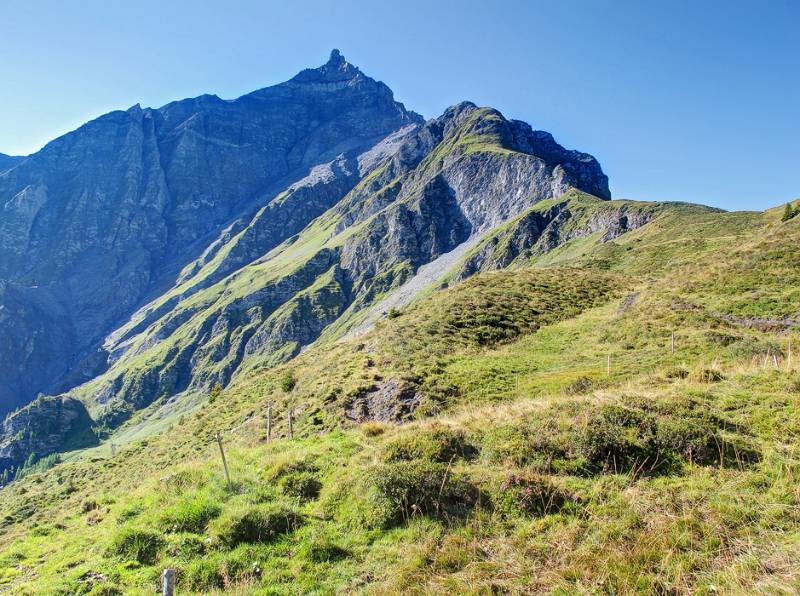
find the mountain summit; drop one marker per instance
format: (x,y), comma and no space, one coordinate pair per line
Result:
(155,253)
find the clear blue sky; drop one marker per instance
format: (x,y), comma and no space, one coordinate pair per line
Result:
(679,100)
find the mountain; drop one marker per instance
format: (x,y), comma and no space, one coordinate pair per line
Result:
(153,254)
(7,162)
(108,215)
(603,399)
(306,342)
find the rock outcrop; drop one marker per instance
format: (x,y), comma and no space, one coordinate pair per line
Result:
(47,425)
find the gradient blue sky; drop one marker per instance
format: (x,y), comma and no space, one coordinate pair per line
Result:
(682,100)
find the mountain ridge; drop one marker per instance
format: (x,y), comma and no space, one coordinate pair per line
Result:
(168,248)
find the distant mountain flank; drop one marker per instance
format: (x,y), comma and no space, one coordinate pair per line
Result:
(8,161)
(155,253)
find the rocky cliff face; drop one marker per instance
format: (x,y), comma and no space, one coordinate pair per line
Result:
(47,425)
(541,230)
(111,213)
(157,252)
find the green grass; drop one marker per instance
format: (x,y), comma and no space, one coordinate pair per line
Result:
(561,445)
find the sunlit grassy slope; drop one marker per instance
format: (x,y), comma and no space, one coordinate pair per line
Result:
(560,444)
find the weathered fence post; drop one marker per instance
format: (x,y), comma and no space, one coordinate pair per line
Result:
(269,422)
(224,461)
(168,582)
(673,342)
(291,421)
(608,365)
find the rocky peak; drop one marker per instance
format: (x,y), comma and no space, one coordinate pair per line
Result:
(336,69)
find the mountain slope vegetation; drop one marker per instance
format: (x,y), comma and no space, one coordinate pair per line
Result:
(155,254)
(598,396)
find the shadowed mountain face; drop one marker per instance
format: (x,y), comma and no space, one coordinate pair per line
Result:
(155,252)
(7,162)
(102,216)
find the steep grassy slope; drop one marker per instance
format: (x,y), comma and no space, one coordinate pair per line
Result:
(555,441)
(251,300)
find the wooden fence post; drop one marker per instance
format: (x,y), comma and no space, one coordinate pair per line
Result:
(224,461)
(168,582)
(673,342)
(269,422)
(608,365)
(291,420)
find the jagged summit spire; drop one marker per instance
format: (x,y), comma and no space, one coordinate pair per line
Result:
(336,58)
(335,69)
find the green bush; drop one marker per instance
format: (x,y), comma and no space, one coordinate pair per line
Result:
(708,375)
(750,347)
(437,443)
(253,523)
(676,372)
(304,486)
(580,385)
(657,439)
(190,515)
(288,382)
(542,447)
(136,544)
(618,439)
(89,505)
(392,493)
(528,495)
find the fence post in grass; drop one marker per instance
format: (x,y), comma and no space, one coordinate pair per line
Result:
(269,422)
(766,358)
(673,342)
(168,582)
(224,461)
(291,421)
(608,365)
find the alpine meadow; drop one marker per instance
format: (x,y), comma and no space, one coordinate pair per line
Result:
(307,341)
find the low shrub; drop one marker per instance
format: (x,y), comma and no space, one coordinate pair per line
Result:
(580,385)
(751,347)
(675,372)
(88,505)
(373,429)
(304,486)
(708,375)
(528,495)
(136,544)
(618,439)
(437,443)
(392,493)
(253,523)
(542,447)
